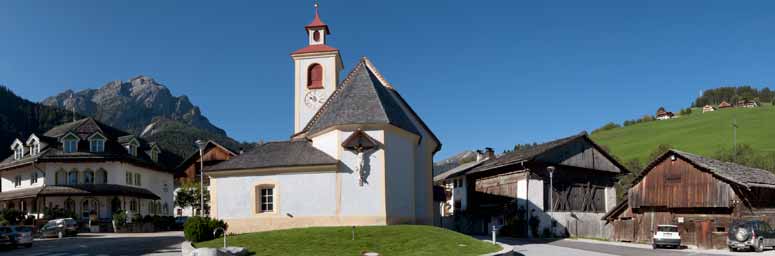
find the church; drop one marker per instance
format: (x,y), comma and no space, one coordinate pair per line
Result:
(359,155)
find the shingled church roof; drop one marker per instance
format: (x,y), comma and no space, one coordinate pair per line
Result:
(361,98)
(276,154)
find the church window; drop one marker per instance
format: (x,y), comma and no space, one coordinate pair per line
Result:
(315,76)
(265,199)
(316,36)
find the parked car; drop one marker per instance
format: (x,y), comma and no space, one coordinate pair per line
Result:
(5,236)
(179,221)
(59,228)
(666,235)
(17,235)
(750,235)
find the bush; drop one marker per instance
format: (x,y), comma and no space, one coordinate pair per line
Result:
(120,218)
(198,229)
(11,216)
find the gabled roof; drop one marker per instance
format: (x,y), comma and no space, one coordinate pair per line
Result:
(276,154)
(51,149)
(195,155)
(535,151)
(361,98)
(457,171)
(730,172)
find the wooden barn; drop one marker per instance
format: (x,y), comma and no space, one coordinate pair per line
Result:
(702,196)
(516,189)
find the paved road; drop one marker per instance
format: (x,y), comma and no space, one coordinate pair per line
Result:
(591,248)
(157,244)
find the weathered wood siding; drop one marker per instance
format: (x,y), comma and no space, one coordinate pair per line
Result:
(500,185)
(678,184)
(580,153)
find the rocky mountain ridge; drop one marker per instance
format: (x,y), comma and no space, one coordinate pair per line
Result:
(132,105)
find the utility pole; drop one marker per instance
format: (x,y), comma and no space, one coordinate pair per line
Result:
(734,140)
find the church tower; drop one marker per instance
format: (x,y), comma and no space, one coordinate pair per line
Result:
(316,72)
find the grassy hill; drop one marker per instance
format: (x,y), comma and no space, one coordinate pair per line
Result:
(700,133)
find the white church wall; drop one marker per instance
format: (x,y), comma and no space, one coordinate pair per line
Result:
(369,199)
(329,143)
(423,170)
(401,192)
(298,194)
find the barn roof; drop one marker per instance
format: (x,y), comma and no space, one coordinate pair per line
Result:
(535,151)
(731,172)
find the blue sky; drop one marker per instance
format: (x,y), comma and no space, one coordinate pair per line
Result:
(480,73)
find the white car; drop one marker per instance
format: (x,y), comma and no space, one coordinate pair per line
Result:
(666,235)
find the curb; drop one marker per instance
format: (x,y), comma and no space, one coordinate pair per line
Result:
(505,249)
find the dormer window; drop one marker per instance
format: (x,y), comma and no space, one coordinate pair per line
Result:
(70,143)
(18,149)
(34,143)
(18,153)
(155,154)
(97,143)
(131,147)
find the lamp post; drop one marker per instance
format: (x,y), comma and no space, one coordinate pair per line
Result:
(201,145)
(550,169)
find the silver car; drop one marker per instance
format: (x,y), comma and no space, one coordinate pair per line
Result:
(59,228)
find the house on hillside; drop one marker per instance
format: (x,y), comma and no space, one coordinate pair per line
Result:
(746,104)
(724,104)
(708,108)
(359,154)
(190,170)
(662,114)
(702,196)
(563,187)
(89,169)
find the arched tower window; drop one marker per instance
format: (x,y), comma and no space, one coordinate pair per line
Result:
(315,76)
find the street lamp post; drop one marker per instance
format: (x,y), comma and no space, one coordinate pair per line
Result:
(550,169)
(201,144)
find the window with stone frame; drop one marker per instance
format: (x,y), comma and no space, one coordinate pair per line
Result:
(17,181)
(137,180)
(265,198)
(34,177)
(88,177)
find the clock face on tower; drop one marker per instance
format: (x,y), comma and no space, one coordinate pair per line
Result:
(314,98)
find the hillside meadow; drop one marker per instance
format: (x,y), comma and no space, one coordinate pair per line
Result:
(699,133)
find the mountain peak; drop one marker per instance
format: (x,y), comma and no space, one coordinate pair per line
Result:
(133,104)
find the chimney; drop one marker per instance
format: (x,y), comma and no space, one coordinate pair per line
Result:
(241,150)
(479,155)
(489,153)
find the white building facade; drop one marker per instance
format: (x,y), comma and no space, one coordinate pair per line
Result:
(86,169)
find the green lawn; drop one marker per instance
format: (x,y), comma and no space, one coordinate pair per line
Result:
(386,240)
(697,133)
